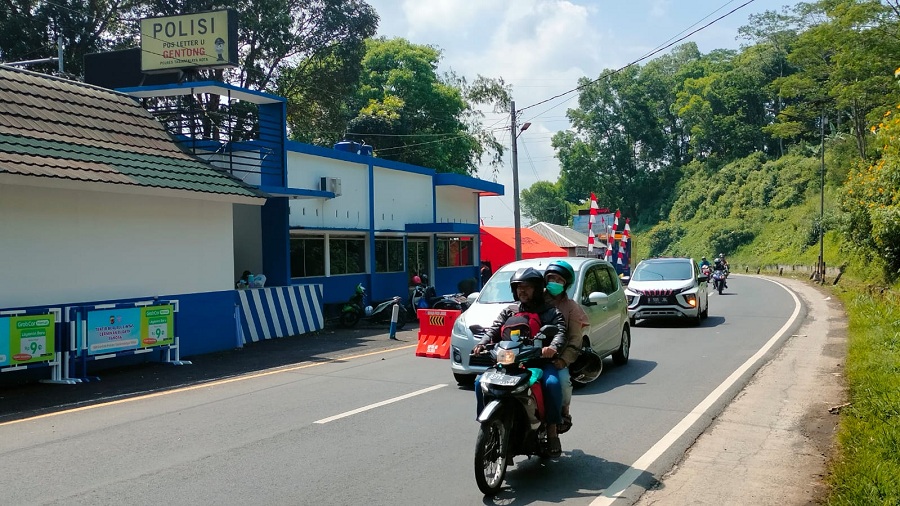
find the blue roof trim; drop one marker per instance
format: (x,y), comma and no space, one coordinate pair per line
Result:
(309,149)
(300,193)
(454,228)
(485,188)
(237,92)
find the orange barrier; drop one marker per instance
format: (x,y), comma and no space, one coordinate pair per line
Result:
(434,332)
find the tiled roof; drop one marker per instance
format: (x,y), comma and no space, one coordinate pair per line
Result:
(51,127)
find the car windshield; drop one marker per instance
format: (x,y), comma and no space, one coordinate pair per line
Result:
(663,271)
(497,289)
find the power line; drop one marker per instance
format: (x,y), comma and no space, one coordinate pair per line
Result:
(642,58)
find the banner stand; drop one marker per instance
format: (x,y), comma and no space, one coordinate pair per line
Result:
(56,364)
(133,328)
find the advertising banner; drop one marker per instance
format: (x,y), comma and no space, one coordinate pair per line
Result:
(114,330)
(27,339)
(205,39)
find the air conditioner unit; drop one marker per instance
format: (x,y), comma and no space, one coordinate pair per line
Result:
(330,184)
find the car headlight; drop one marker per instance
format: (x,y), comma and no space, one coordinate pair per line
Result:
(459,328)
(690,299)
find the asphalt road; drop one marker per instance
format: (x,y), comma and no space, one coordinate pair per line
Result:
(375,424)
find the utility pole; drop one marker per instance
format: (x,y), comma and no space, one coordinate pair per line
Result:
(514,132)
(821,267)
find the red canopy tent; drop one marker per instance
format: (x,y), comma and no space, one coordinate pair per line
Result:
(498,245)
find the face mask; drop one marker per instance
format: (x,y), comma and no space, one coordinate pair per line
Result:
(555,288)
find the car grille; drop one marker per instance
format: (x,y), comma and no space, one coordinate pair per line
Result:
(658,297)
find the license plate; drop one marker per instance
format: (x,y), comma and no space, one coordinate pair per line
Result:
(496,378)
(658,300)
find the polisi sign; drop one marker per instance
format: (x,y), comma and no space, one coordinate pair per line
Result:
(202,40)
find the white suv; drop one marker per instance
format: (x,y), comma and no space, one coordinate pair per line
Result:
(596,287)
(667,288)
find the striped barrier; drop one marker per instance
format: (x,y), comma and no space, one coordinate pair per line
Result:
(279,311)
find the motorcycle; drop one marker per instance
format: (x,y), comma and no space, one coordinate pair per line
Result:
(718,278)
(355,310)
(425,297)
(511,422)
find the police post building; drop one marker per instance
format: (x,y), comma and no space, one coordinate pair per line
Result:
(118,206)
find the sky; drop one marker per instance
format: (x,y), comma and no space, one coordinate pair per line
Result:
(542,47)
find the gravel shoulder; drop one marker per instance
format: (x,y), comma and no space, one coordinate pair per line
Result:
(772,444)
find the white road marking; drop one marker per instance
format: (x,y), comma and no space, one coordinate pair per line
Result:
(611,493)
(379,404)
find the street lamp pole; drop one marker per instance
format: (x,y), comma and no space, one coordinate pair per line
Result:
(514,132)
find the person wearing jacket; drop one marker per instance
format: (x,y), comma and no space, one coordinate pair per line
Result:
(527,286)
(559,275)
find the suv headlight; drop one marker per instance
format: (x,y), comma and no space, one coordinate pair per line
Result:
(690,300)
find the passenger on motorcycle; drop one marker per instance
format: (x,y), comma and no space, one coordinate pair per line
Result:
(527,286)
(559,275)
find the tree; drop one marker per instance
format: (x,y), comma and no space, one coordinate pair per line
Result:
(544,202)
(411,114)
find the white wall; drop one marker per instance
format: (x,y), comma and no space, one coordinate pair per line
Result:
(401,198)
(456,205)
(350,210)
(64,246)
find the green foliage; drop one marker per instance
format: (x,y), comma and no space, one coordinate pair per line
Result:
(544,201)
(661,237)
(728,240)
(871,199)
(411,114)
(868,470)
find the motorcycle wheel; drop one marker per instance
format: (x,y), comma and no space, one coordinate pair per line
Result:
(349,319)
(721,285)
(490,455)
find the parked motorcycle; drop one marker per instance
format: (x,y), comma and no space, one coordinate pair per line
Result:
(718,278)
(512,419)
(425,297)
(356,309)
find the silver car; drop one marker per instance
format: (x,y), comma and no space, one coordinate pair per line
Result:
(667,288)
(596,287)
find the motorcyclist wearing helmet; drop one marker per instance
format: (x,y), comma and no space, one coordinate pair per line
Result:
(527,286)
(559,276)
(703,263)
(720,264)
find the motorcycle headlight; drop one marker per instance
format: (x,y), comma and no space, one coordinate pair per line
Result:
(506,357)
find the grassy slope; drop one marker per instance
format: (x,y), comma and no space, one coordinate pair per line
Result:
(772,208)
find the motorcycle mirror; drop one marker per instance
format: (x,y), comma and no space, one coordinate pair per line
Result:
(549,330)
(476,329)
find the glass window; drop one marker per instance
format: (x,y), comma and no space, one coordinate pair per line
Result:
(591,284)
(497,289)
(455,251)
(664,270)
(347,255)
(418,260)
(307,256)
(389,255)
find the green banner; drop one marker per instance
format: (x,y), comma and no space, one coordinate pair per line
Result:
(31,339)
(157,325)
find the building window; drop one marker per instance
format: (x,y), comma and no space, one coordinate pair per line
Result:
(389,255)
(307,256)
(454,251)
(418,261)
(347,255)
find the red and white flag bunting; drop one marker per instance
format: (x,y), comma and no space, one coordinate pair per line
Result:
(594,210)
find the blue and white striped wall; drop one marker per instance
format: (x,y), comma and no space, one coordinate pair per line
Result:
(280,311)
